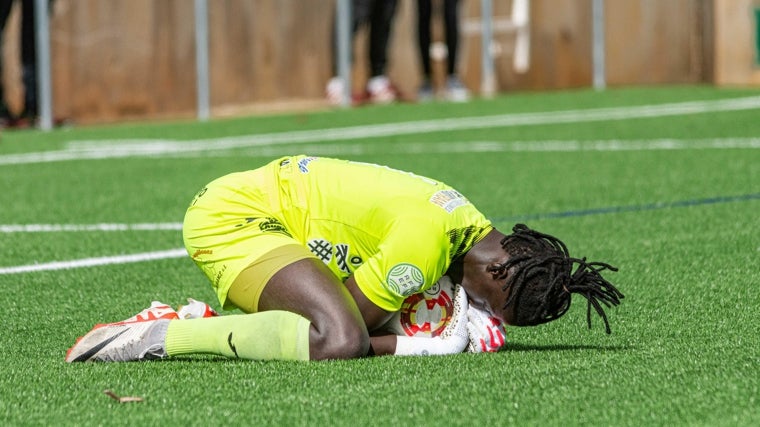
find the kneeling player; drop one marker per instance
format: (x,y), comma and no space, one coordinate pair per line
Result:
(320,253)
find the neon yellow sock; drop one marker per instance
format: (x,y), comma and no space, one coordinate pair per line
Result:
(268,335)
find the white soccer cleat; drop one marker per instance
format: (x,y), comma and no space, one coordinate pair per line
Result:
(121,342)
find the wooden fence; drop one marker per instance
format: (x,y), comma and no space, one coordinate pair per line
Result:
(135,59)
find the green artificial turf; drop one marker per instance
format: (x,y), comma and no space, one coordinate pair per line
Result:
(681,223)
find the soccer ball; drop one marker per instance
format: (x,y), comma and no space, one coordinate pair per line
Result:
(425,314)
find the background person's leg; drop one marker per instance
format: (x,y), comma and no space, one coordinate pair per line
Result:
(5,10)
(379,35)
(29,59)
(451,21)
(424,14)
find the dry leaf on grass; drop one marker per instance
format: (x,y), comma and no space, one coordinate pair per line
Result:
(125,399)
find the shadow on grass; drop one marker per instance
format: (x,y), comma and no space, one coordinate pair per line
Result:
(510,347)
(565,347)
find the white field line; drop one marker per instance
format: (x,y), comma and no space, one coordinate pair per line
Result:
(51,228)
(327,149)
(100,149)
(92,262)
(423,148)
(490,147)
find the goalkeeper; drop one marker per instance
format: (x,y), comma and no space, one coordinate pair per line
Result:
(318,253)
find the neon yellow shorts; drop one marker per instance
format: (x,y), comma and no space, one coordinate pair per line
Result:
(230,227)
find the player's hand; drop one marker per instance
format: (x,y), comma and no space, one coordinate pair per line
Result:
(456,334)
(486,333)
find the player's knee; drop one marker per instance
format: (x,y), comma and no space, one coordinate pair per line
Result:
(339,342)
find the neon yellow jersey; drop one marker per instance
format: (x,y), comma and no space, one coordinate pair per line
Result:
(395,231)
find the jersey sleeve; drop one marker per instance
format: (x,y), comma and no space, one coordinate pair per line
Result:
(409,260)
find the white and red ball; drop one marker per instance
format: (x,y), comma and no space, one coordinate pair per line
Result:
(425,314)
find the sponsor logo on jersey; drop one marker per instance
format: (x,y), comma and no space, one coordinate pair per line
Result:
(200,252)
(219,273)
(341,257)
(303,164)
(448,200)
(272,225)
(340,252)
(267,225)
(322,248)
(405,279)
(198,195)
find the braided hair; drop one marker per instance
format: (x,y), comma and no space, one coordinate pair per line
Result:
(540,276)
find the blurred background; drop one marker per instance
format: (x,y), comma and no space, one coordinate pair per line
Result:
(120,60)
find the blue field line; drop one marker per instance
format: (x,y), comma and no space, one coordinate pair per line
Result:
(630,208)
(180,252)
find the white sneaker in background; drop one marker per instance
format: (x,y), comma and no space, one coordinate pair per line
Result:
(425,93)
(380,90)
(456,91)
(334,91)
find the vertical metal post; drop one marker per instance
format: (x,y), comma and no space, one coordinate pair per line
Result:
(343,49)
(201,58)
(44,86)
(757,34)
(488,82)
(521,19)
(597,13)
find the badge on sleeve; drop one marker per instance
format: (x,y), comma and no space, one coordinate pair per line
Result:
(405,279)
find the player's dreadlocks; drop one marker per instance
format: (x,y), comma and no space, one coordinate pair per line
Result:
(540,275)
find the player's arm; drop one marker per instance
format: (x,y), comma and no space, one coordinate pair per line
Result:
(453,340)
(408,260)
(374,317)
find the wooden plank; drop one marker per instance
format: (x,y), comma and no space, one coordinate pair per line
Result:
(134,59)
(735,27)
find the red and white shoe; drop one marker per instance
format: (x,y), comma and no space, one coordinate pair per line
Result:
(195,310)
(334,91)
(122,342)
(381,91)
(98,343)
(157,310)
(139,341)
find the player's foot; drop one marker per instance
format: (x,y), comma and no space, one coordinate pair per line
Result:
(456,91)
(334,91)
(195,309)
(380,90)
(157,310)
(121,342)
(425,92)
